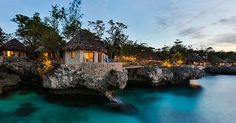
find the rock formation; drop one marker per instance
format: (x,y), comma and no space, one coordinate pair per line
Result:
(221,70)
(155,76)
(12,74)
(70,77)
(25,69)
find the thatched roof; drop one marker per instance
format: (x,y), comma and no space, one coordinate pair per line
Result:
(194,57)
(13,45)
(85,40)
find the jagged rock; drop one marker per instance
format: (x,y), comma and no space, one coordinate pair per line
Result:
(182,75)
(221,70)
(155,76)
(9,81)
(25,69)
(67,77)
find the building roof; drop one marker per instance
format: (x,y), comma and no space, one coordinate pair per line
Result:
(194,57)
(85,40)
(13,45)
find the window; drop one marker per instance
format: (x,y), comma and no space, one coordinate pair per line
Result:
(89,57)
(10,53)
(72,54)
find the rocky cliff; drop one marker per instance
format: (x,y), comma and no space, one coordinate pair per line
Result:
(73,78)
(155,76)
(12,74)
(221,70)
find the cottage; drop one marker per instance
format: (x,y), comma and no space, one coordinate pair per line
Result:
(85,47)
(230,62)
(194,59)
(220,62)
(13,48)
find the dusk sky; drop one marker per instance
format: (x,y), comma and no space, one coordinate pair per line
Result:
(201,23)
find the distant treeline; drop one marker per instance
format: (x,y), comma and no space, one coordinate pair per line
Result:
(63,23)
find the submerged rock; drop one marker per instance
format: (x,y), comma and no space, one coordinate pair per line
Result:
(122,108)
(155,76)
(70,77)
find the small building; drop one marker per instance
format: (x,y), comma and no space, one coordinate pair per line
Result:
(85,47)
(13,48)
(230,62)
(220,62)
(194,59)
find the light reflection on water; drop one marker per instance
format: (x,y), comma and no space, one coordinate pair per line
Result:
(214,103)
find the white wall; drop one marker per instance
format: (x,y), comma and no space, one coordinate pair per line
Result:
(68,60)
(79,57)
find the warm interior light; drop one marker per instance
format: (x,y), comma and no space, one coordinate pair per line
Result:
(89,56)
(72,54)
(10,53)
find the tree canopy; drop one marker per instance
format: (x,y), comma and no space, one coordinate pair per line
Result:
(3,36)
(36,33)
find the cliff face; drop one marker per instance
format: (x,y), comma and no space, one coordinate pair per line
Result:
(154,76)
(71,77)
(221,70)
(14,73)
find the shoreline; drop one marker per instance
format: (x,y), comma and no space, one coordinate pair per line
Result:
(137,77)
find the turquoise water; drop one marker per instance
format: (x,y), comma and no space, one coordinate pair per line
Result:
(214,103)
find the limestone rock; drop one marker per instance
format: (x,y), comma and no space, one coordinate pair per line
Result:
(25,69)
(221,70)
(9,81)
(67,77)
(158,76)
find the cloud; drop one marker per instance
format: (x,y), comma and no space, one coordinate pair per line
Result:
(193,32)
(162,23)
(226,21)
(229,38)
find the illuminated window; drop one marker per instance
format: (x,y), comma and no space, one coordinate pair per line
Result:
(89,57)
(10,53)
(72,54)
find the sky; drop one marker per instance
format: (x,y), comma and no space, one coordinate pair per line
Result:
(200,23)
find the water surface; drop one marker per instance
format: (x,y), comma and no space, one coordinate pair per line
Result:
(214,103)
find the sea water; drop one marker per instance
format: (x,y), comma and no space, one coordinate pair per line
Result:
(215,102)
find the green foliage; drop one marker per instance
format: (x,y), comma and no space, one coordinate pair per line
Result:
(116,38)
(72,19)
(3,36)
(56,17)
(36,33)
(98,27)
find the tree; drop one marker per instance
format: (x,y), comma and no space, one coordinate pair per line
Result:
(178,47)
(3,36)
(36,33)
(98,27)
(116,38)
(72,19)
(56,17)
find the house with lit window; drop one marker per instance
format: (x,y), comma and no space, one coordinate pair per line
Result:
(13,49)
(84,48)
(194,59)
